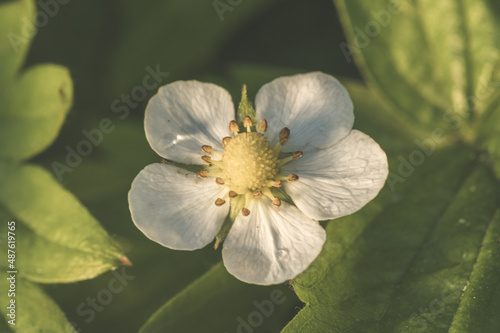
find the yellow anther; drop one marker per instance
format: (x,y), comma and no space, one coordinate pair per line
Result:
(206,149)
(207,159)
(297,155)
(219,181)
(233,194)
(262,126)
(245,211)
(277,183)
(257,194)
(293,178)
(234,127)
(203,173)
(247,122)
(225,141)
(284,136)
(219,202)
(276,202)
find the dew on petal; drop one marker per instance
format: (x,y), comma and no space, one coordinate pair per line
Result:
(282,254)
(167,141)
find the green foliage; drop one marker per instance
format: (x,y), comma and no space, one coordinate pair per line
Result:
(214,291)
(427,58)
(56,238)
(423,256)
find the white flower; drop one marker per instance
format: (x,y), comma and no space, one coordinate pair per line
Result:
(303,144)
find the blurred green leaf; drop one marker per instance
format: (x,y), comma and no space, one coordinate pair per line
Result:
(32,110)
(220,293)
(402,266)
(57,240)
(430,60)
(152,36)
(33,104)
(35,311)
(61,241)
(17,34)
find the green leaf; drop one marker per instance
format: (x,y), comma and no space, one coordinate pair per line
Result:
(17,34)
(401,266)
(34,103)
(428,59)
(32,110)
(229,302)
(174,50)
(34,310)
(61,241)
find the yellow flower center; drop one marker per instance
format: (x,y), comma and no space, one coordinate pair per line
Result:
(249,162)
(249,165)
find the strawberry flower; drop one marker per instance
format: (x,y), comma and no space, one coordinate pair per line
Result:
(266,181)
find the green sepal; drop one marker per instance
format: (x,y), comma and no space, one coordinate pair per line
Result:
(245,108)
(237,203)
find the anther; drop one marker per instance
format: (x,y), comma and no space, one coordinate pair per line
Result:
(219,202)
(284,136)
(234,127)
(247,122)
(277,183)
(219,181)
(293,178)
(276,202)
(245,211)
(203,173)
(206,149)
(225,141)
(233,194)
(297,155)
(257,194)
(207,159)
(262,126)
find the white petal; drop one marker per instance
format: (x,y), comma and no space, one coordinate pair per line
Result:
(175,207)
(315,107)
(269,246)
(339,180)
(185,115)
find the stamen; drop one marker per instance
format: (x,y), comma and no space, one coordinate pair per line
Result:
(274,183)
(225,141)
(295,156)
(257,194)
(233,194)
(276,202)
(219,181)
(234,127)
(219,202)
(203,173)
(245,211)
(293,178)
(247,122)
(206,149)
(262,126)
(207,159)
(284,136)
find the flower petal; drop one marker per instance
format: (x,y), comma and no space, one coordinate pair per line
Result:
(270,246)
(315,107)
(339,180)
(175,207)
(185,115)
